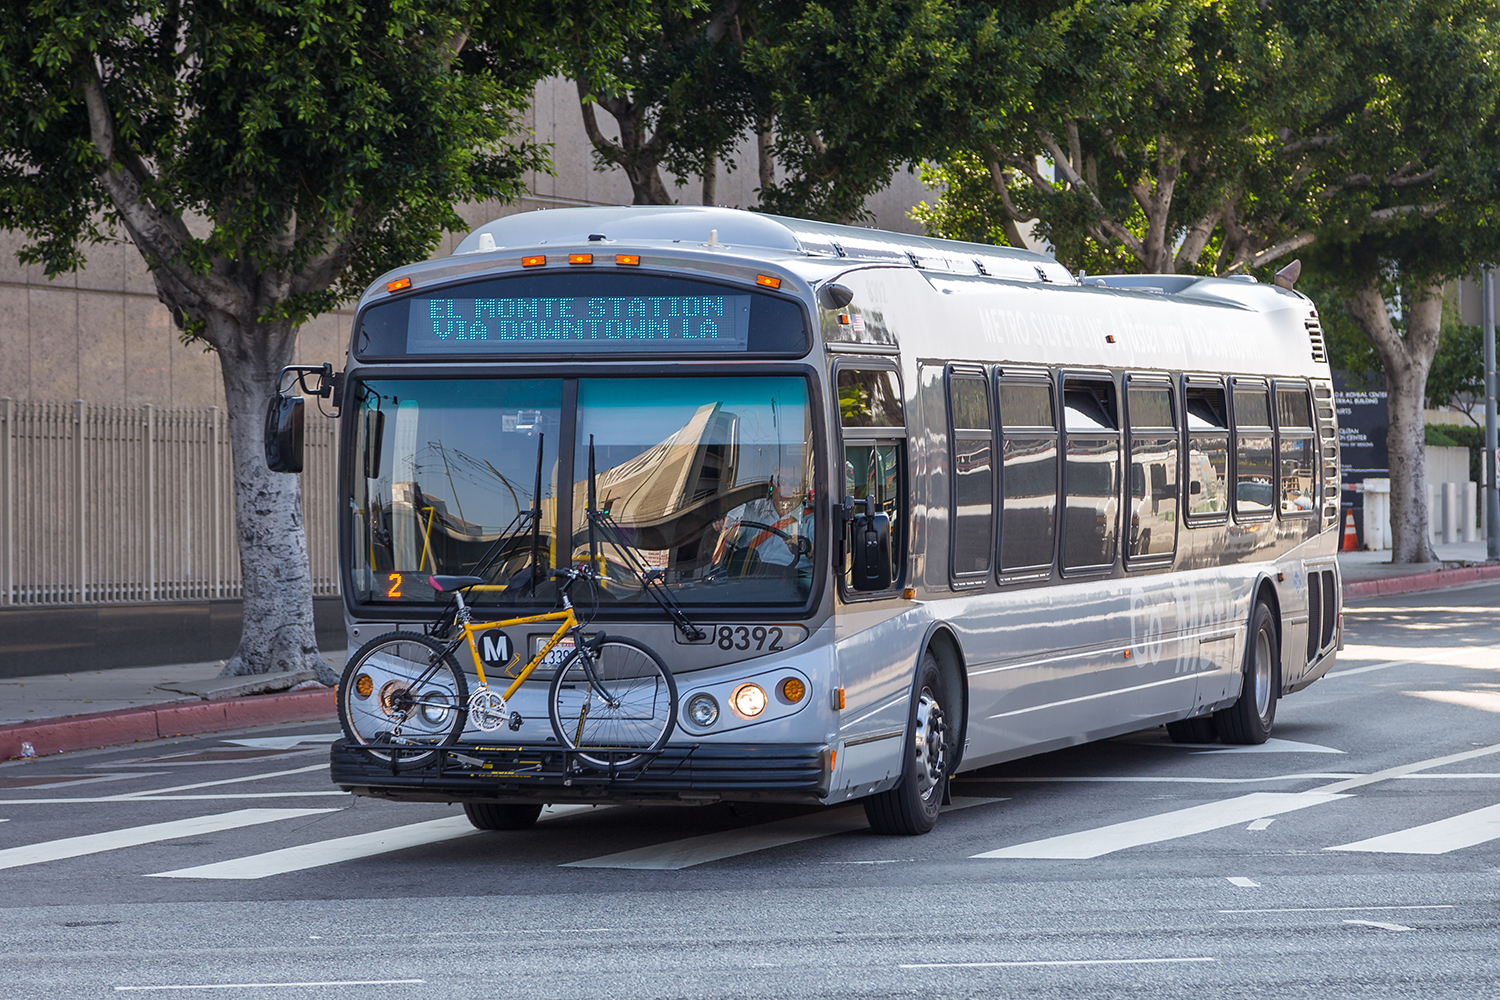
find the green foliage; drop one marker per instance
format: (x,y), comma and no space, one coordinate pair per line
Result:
(305,147)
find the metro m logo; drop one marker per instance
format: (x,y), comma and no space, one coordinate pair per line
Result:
(495,649)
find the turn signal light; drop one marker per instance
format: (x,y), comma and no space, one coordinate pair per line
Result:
(399,285)
(580,258)
(838,698)
(537,261)
(628,259)
(792,690)
(364,686)
(767,281)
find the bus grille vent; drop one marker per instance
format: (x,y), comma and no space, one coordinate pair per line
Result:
(1330,605)
(1314,614)
(1315,335)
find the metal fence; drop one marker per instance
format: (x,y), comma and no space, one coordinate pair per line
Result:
(108,504)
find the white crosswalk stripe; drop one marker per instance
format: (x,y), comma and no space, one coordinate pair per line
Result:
(1164,826)
(95,843)
(329,852)
(690,851)
(1440,837)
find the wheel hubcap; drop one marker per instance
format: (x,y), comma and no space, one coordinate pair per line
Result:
(1262,673)
(931,744)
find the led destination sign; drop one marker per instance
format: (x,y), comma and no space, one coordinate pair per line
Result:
(596,323)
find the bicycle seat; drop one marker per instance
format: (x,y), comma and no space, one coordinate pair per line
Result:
(443,584)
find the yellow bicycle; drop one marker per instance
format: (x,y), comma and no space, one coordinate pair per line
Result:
(402,697)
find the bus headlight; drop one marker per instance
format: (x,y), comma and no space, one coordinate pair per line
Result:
(749,700)
(703,711)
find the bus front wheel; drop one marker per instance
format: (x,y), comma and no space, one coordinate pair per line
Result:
(912,806)
(502,815)
(1249,719)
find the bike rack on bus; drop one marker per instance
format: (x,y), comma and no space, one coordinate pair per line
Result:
(541,764)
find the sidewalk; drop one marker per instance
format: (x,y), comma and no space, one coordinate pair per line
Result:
(1370,574)
(55,713)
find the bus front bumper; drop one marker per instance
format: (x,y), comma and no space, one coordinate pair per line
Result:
(689,773)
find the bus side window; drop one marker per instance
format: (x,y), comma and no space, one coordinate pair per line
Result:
(1208,452)
(874,422)
(1297,460)
(1091,474)
(1153,471)
(1028,479)
(973,497)
(1254,472)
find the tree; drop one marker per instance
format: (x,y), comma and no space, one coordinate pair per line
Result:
(268,161)
(1231,134)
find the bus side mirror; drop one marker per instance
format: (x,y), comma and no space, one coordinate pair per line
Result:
(870,551)
(284,419)
(374,431)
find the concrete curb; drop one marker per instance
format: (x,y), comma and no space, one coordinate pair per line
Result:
(153,722)
(1439,579)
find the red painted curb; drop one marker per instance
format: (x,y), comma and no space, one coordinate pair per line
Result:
(1439,579)
(152,722)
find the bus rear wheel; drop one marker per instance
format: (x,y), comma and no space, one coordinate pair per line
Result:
(912,806)
(1249,720)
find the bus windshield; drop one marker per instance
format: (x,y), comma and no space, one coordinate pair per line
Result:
(707,481)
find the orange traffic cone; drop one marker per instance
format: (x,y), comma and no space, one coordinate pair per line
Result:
(1351,537)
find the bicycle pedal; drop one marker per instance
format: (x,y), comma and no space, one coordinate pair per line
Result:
(515,721)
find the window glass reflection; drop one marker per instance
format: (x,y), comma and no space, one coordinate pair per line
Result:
(869,399)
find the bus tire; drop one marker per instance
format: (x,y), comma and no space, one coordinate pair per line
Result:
(502,815)
(1249,720)
(912,806)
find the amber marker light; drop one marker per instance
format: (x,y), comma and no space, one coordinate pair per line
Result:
(364,686)
(537,261)
(766,281)
(580,258)
(792,690)
(399,285)
(628,259)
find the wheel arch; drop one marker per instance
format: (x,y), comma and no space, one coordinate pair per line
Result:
(943,642)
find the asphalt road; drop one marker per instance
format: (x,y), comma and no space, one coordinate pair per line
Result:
(1354,855)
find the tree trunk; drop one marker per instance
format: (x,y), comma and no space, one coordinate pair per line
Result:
(1407,360)
(764,158)
(278,632)
(711,181)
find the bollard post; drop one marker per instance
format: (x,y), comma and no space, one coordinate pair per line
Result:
(1450,513)
(1467,511)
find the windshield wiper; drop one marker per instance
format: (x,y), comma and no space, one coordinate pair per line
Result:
(601,523)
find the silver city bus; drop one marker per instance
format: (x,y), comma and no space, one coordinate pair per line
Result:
(915,506)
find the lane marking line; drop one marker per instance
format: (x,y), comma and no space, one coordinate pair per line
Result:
(1243,882)
(283,742)
(1441,837)
(267,986)
(1366,670)
(95,843)
(1405,769)
(1164,779)
(1163,826)
(1379,924)
(1342,909)
(675,855)
(1075,961)
(352,848)
(131,796)
(174,798)
(1261,823)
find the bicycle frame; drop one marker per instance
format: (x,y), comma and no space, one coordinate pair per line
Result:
(568,619)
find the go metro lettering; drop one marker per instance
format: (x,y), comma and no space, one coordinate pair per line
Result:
(655,317)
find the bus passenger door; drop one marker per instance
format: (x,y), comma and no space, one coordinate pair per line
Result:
(876,652)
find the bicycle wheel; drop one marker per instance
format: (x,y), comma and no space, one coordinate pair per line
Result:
(402,689)
(615,705)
